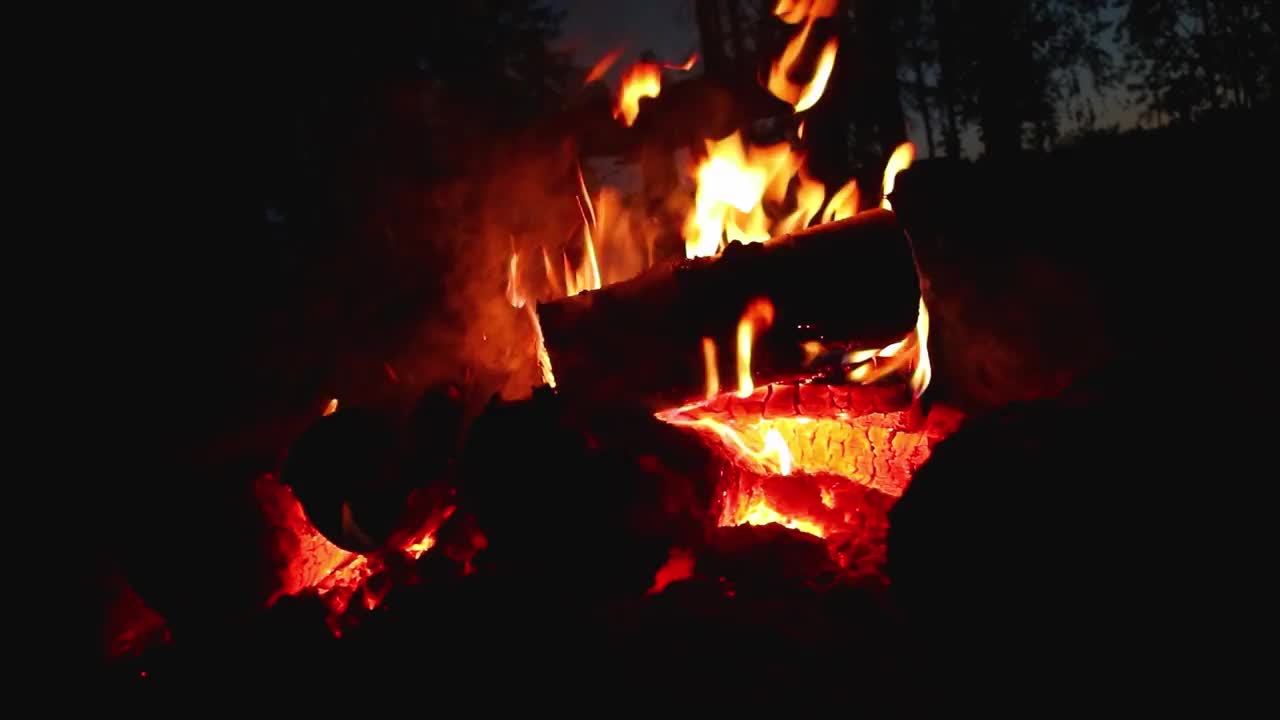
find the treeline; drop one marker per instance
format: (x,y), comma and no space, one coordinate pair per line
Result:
(1020,71)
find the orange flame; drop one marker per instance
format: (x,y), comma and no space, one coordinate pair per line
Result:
(777,447)
(587,275)
(602,65)
(514,294)
(732,183)
(687,65)
(812,92)
(901,159)
(544,359)
(330,408)
(923,372)
(712,371)
(759,512)
(844,203)
(757,316)
(780,83)
(644,79)
(795,11)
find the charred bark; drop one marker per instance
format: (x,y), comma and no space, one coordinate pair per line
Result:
(640,342)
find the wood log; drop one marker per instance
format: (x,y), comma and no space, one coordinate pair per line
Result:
(850,283)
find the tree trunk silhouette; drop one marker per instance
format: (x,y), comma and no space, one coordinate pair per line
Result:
(1002,57)
(922,100)
(948,72)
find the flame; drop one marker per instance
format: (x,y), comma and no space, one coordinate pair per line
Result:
(812,92)
(687,65)
(679,566)
(757,316)
(802,97)
(923,372)
(825,460)
(844,203)
(809,196)
(800,131)
(587,275)
(553,279)
(644,79)
(330,408)
(777,447)
(733,182)
(709,363)
(308,561)
(514,294)
(759,512)
(902,157)
(910,352)
(544,359)
(794,11)
(779,82)
(602,65)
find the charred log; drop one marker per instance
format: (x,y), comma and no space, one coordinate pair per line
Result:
(353,471)
(640,342)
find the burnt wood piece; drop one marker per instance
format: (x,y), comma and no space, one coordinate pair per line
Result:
(639,342)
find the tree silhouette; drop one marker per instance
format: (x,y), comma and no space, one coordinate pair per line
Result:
(1009,67)
(1188,57)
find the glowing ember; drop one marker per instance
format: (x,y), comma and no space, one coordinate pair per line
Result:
(307,561)
(901,159)
(678,567)
(757,317)
(760,513)
(330,408)
(825,460)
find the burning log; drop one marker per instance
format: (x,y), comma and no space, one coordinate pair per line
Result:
(641,342)
(354,470)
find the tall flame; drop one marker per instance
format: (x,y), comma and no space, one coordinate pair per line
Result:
(812,92)
(644,79)
(923,371)
(802,97)
(514,295)
(902,157)
(757,317)
(844,203)
(712,371)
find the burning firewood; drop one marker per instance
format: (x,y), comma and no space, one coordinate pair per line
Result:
(353,471)
(641,342)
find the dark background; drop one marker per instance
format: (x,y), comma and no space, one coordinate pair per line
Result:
(299,199)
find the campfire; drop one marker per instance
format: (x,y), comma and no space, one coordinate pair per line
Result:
(788,341)
(801,374)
